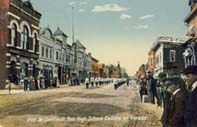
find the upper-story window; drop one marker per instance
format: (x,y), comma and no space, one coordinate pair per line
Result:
(14,35)
(57,55)
(68,58)
(42,51)
(50,53)
(35,38)
(47,52)
(172,56)
(25,38)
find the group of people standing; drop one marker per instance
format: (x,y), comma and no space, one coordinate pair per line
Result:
(39,83)
(175,94)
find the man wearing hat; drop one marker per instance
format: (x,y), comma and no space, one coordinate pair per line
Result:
(177,102)
(151,87)
(190,76)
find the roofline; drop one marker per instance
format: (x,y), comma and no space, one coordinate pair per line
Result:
(95,59)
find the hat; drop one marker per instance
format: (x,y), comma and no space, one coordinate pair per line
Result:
(190,70)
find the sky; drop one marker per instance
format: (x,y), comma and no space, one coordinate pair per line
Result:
(116,30)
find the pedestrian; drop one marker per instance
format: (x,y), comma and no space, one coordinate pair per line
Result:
(9,83)
(143,90)
(151,84)
(26,83)
(175,98)
(36,84)
(87,82)
(127,81)
(190,76)
(177,103)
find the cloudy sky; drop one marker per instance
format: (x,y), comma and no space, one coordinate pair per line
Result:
(116,30)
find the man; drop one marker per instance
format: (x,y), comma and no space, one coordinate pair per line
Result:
(26,84)
(87,82)
(151,84)
(159,88)
(177,103)
(142,90)
(190,76)
(92,81)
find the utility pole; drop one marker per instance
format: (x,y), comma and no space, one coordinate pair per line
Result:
(73,39)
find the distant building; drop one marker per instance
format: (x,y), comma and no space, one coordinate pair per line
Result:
(117,71)
(95,67)
(102,70)
(151,61)
(141,72)
(19,39)
(168,55)
(87,66)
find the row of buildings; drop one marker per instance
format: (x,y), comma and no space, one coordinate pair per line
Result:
(174,55)
(32,52)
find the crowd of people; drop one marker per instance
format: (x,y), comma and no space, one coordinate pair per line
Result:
(175,94)
(39,83)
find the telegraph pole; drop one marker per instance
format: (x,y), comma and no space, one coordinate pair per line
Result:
(73,39)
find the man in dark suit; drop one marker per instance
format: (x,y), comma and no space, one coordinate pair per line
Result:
(174,112)
(151,84)
(190,117)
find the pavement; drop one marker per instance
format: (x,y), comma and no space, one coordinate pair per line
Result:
(17,91)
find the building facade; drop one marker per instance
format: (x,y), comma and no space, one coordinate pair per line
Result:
(151,61)
(53,56)
(168,55)
(47,56)
(19,38)
(101,70)
(95,67)
(190,53)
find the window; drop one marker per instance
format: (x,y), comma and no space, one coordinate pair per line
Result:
(25,38)
(67,59)
(172,55)
(42,51)
(35,43)
(50,53)
(14,35)
(57,55)
(47,52)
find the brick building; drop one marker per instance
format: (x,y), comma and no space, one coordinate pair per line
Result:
(95,67)
(19,40)
(151,61)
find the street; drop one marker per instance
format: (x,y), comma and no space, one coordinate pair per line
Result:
(78,107)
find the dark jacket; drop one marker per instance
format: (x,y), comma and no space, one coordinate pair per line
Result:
(191,110)
(152,85)
(175,113)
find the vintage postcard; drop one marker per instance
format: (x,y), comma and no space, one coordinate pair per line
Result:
(98,63)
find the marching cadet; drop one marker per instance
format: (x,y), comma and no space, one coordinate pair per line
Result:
(96,81)
(87,82)
(92,81)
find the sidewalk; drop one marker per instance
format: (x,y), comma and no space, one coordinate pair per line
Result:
(18,91)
